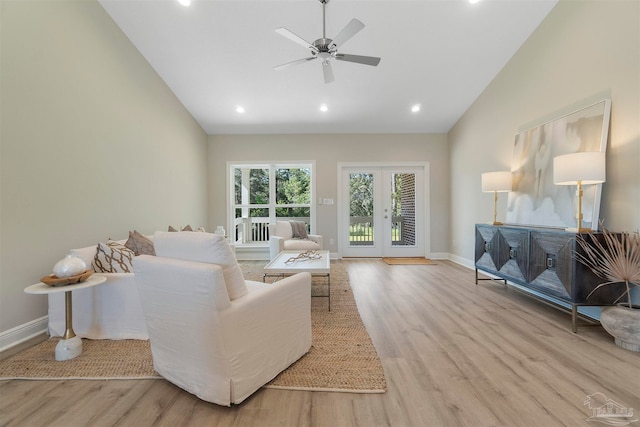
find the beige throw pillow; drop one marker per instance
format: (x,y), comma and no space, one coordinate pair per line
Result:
(139,244)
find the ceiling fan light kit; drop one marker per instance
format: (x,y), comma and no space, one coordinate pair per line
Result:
(326,49)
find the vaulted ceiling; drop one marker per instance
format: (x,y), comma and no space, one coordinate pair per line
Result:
(217,55)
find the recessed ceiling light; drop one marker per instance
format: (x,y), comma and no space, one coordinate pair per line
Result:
(184,2)
(415,108)
(324,108)
(240,109)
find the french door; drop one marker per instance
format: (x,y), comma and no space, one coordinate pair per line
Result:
(382,211)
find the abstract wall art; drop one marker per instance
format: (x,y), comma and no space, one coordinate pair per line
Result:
(535,200)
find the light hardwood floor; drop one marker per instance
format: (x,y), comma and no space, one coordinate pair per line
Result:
(454,354)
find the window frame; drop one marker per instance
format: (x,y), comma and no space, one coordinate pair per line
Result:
(272,205)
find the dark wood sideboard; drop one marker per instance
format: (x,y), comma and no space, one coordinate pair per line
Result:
(540,259)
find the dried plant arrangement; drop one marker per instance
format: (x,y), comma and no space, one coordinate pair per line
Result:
(615,258)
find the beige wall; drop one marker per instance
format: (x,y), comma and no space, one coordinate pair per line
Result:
(583,50)
(93,144)
(327,151)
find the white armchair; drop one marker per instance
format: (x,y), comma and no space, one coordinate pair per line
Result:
(219,340)
(281,238)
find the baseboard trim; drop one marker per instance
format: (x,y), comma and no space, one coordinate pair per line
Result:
(462,261)
(22,333)
(439,255)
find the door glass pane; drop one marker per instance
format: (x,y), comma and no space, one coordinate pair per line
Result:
(361,209)
(403,209)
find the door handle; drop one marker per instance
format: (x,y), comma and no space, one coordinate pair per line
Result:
(385,217)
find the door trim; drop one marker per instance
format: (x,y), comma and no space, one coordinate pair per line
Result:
(426,234)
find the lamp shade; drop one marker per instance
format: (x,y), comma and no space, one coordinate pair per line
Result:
(587,167)
(496,181)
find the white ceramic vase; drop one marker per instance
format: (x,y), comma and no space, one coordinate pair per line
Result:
(69,266)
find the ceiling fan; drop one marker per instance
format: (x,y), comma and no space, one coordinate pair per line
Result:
(327,49)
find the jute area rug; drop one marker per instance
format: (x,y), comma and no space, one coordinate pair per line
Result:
(342,356)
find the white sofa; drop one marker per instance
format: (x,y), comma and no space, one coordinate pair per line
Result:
(111,310)
(211,332)
(281,239)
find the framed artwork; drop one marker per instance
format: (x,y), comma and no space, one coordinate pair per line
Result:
(535,200)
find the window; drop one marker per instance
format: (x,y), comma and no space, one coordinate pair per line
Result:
(266,193)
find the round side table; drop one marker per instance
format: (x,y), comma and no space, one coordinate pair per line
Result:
(70,345)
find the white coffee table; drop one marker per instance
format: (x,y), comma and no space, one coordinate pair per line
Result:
(70,345)
(279,267)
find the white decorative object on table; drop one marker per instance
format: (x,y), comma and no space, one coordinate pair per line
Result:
(220,230)
(69,266)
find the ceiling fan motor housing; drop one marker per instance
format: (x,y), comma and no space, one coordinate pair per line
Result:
(323,52)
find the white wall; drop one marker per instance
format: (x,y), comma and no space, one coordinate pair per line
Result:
(93,144)
(327,151)
(583,50)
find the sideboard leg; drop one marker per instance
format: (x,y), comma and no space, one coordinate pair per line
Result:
(574,318)
(497,279)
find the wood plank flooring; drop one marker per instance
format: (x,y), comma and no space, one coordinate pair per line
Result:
(454,354)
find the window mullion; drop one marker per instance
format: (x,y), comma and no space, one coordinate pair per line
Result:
(272,194)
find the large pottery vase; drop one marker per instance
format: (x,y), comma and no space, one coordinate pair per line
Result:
(623,323)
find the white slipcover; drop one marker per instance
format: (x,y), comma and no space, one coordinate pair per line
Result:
(281,239)
(203,247)
(218,349)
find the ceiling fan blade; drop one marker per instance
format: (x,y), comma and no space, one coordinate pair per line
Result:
(347,32)
(366,60)
(296,62)
(327,71)
(288,34)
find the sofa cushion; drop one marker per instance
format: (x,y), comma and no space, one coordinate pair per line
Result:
(203,247)
(299,244)
(283,229)
(139,244)
(113,257)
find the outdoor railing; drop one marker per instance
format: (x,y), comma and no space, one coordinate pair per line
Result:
(256,229)
(361,230)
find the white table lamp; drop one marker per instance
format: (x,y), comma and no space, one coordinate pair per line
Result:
(582,168)
(496,182)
